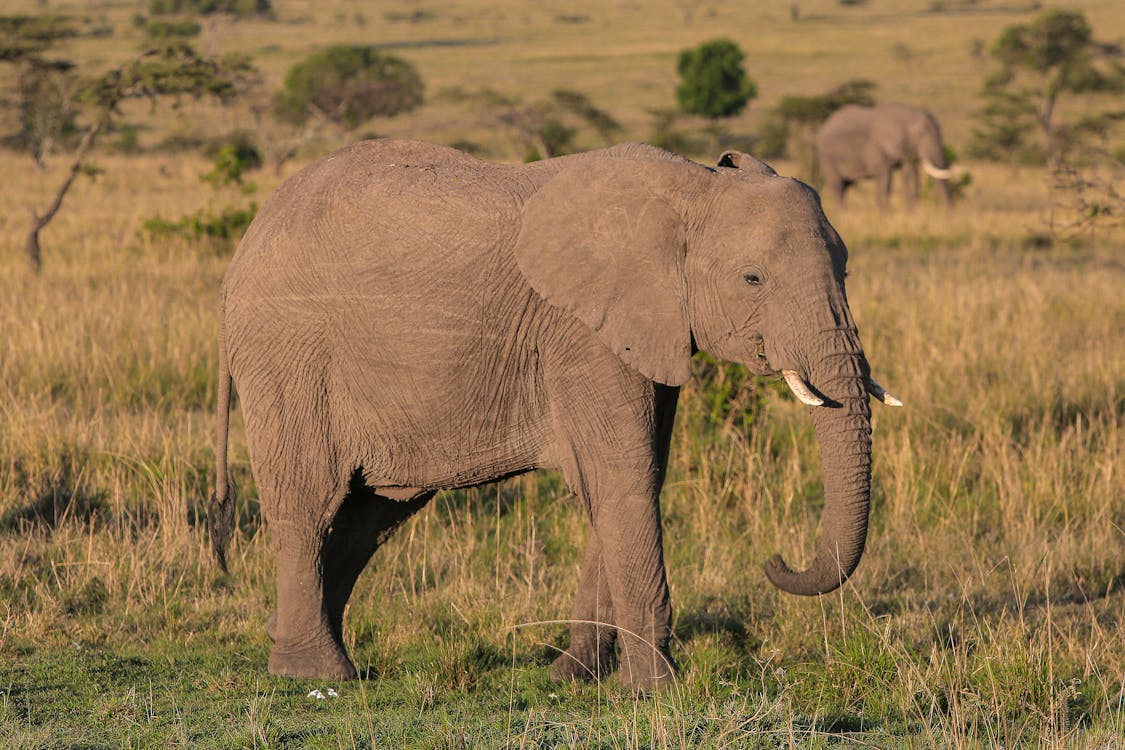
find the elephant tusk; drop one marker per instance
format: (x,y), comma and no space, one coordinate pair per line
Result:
(937,172)
(797,384)
(881,393)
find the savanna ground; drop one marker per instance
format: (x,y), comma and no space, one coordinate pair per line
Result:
(989,610)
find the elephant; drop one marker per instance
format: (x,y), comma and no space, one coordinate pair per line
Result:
(402,318)
(857,143)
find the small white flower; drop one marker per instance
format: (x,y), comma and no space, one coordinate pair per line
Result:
(315,694)
(332,693)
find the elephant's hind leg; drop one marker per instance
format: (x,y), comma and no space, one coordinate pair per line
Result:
(300,488)
(364,521)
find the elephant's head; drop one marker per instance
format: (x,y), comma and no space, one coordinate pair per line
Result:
(662,256)
(924,138)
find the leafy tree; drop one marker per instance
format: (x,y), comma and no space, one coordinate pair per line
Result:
(27,37)
(171,71)
(44,93)
(349,85)
(713,81)
(549,128)
(1053,56)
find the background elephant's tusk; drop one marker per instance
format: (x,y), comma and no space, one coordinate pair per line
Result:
(937,172)
(800,390)
(881,393)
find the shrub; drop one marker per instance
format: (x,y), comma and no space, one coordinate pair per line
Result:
(177,29)
(713,82)
(232,159)
(220,230)
(207,7)
(349,85)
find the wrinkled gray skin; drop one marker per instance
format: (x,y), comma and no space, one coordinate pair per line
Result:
(863,143)
(403,318)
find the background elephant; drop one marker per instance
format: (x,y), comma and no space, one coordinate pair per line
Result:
(857,143)
(403,318)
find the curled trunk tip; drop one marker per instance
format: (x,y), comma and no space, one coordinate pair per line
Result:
(819,578)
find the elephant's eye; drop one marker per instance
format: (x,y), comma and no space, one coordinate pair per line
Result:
(753,279)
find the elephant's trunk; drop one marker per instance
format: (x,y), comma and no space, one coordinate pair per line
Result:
(843,429)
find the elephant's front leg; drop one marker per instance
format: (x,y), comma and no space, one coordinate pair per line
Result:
(621,489)
(591,652)
(628,529)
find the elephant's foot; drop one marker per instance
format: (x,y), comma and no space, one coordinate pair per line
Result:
(648,669)
(584,664)
(325,662)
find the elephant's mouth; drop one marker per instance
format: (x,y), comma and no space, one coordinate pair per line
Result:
(754,346)
(759,364)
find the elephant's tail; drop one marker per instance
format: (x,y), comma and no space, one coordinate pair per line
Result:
(220,516)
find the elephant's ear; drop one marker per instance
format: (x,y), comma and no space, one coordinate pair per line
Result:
(599,242)
(745,162)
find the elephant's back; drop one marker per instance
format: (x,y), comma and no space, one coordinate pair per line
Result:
(365,187)
(385,213)
(843,122)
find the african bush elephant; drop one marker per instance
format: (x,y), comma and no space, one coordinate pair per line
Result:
(402,318)
(857,143)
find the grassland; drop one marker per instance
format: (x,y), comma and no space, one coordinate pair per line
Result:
(989,610)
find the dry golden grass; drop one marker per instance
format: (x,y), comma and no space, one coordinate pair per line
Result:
(988,610)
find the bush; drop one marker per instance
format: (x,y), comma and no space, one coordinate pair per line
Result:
(177,29)
(723,394)
(714,83)
(220,230)
(349,85)
(206,7)
(232,159)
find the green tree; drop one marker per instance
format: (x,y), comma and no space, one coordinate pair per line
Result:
(548,128)
(348,85)
(43,99)
(171,71)
(1040,62)
(713,81)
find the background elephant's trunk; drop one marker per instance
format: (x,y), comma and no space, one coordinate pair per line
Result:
(843,429)
(932,155)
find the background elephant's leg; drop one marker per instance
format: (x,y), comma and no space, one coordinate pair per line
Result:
(883,186)
(364,521)
(910,181)
(835,184)
(592,634)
